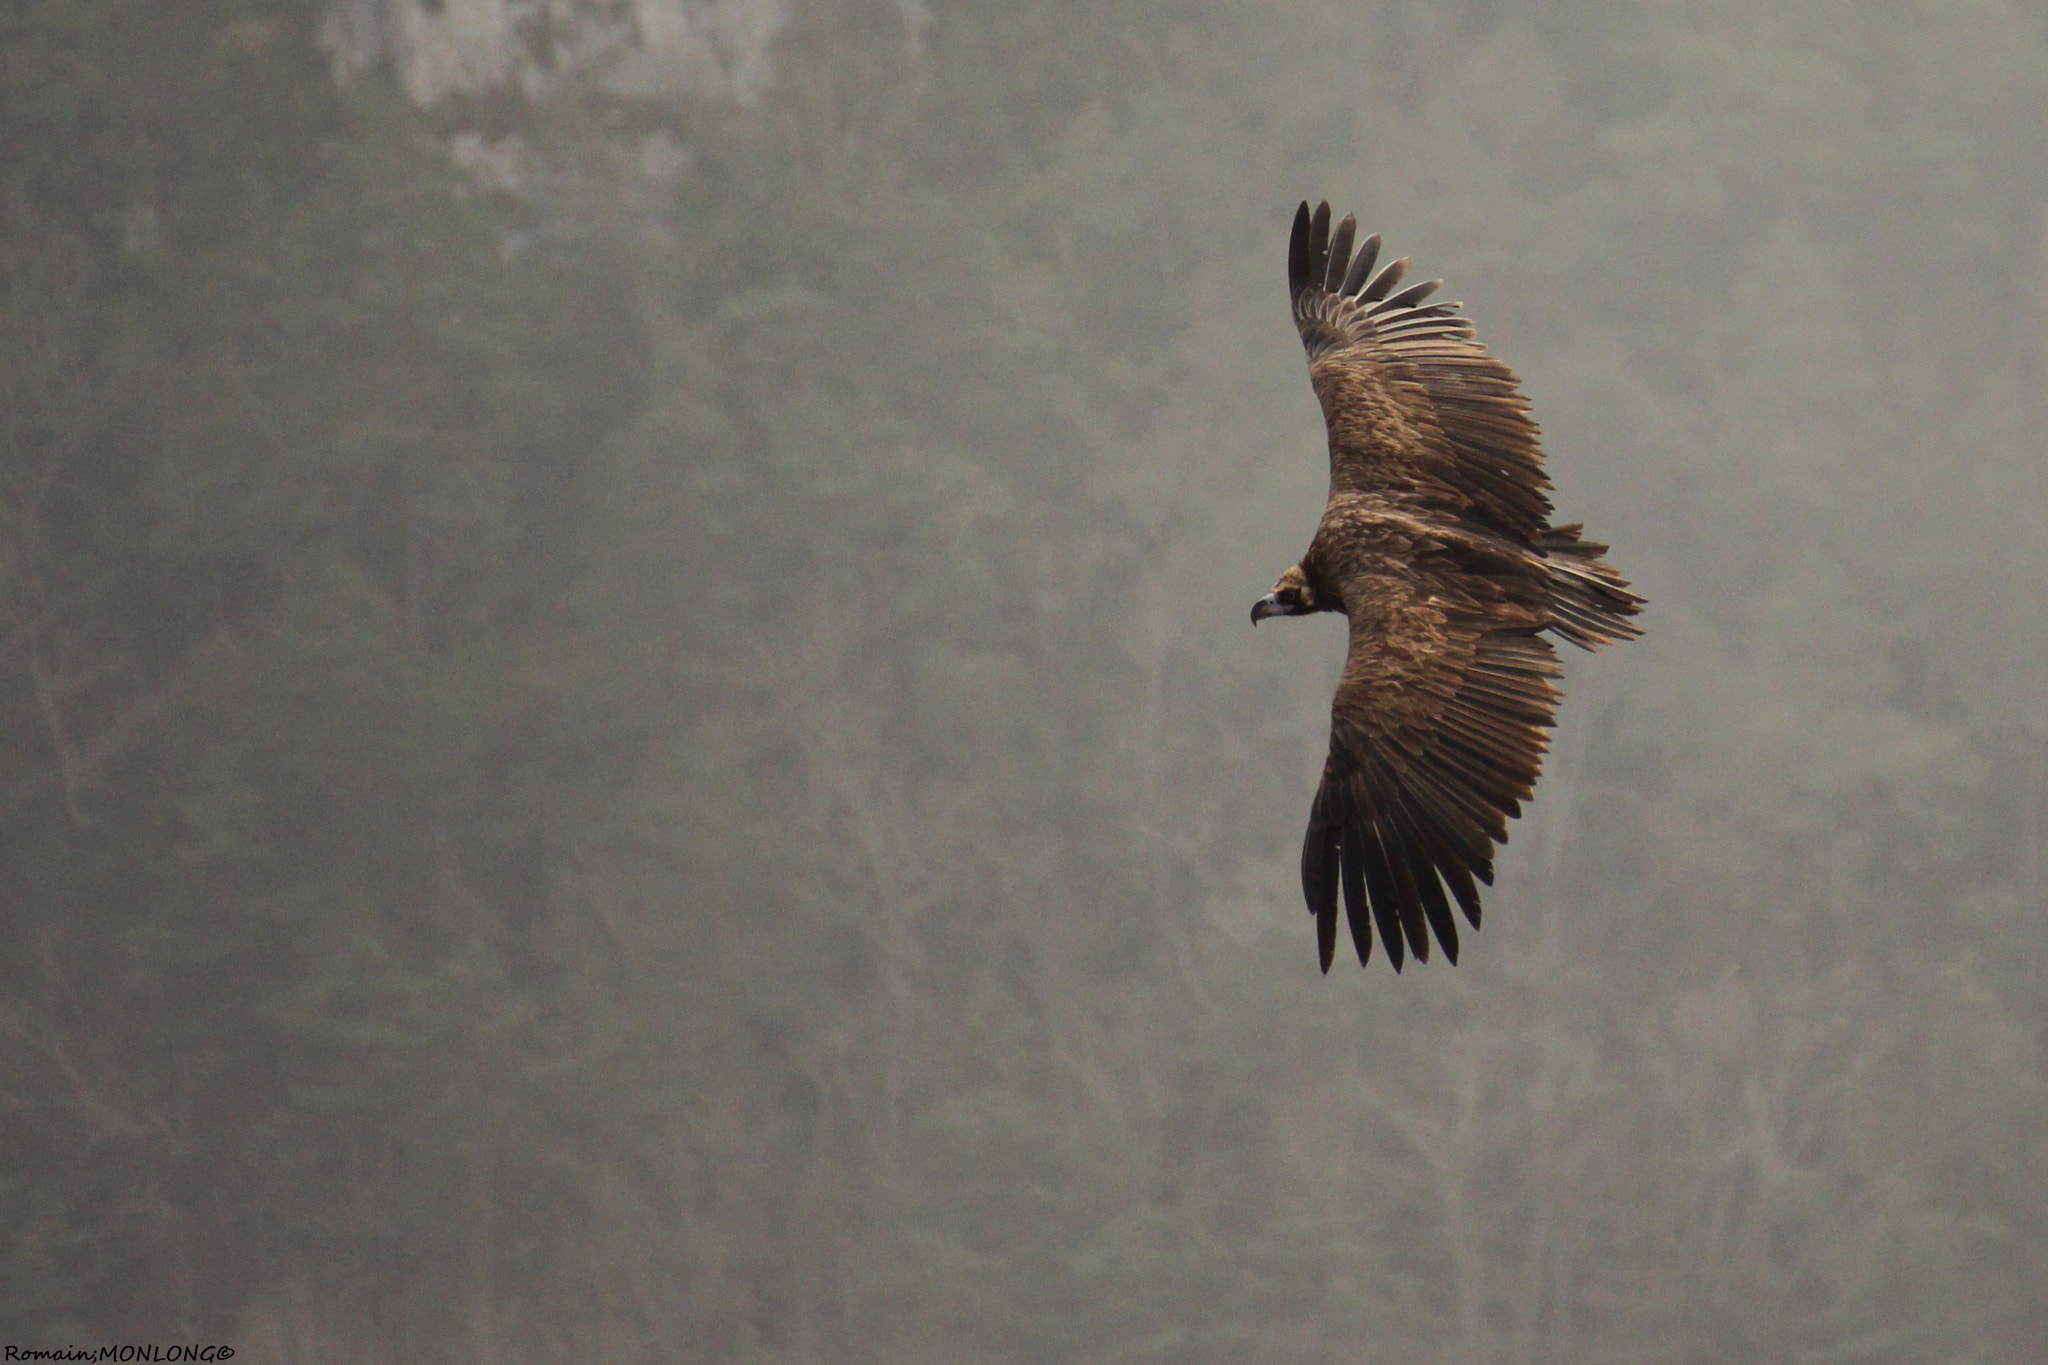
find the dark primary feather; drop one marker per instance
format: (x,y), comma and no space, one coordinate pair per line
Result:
(1340,254)
(1368,252)
(1384,281)
(1437,545)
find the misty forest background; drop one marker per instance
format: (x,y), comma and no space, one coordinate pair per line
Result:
(628,733)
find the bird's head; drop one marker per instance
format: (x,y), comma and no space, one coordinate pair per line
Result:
(1293,595)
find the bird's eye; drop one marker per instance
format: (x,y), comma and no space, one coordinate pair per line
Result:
(1291,596)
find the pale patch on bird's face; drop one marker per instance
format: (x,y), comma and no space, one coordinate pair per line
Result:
(1291,596)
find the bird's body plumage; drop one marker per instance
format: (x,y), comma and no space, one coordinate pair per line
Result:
(1436,543)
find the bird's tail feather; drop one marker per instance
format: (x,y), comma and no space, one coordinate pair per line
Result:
(1589,602)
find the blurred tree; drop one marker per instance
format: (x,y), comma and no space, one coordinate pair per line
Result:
(287,519)
(647,750)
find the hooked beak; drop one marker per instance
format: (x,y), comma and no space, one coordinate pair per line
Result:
(1269,605)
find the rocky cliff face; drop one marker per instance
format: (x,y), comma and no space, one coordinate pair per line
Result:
(648,49)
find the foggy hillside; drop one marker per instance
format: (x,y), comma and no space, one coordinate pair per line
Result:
(628,731)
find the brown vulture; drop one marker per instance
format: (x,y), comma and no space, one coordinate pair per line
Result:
(1437,545)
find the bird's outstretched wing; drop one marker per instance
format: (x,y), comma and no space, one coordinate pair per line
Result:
(1415,407)
(1436,737)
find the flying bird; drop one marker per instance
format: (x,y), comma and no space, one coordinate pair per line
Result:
(1436,543)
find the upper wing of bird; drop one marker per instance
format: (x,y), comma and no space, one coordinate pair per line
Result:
(1436,737)
(1414,405)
